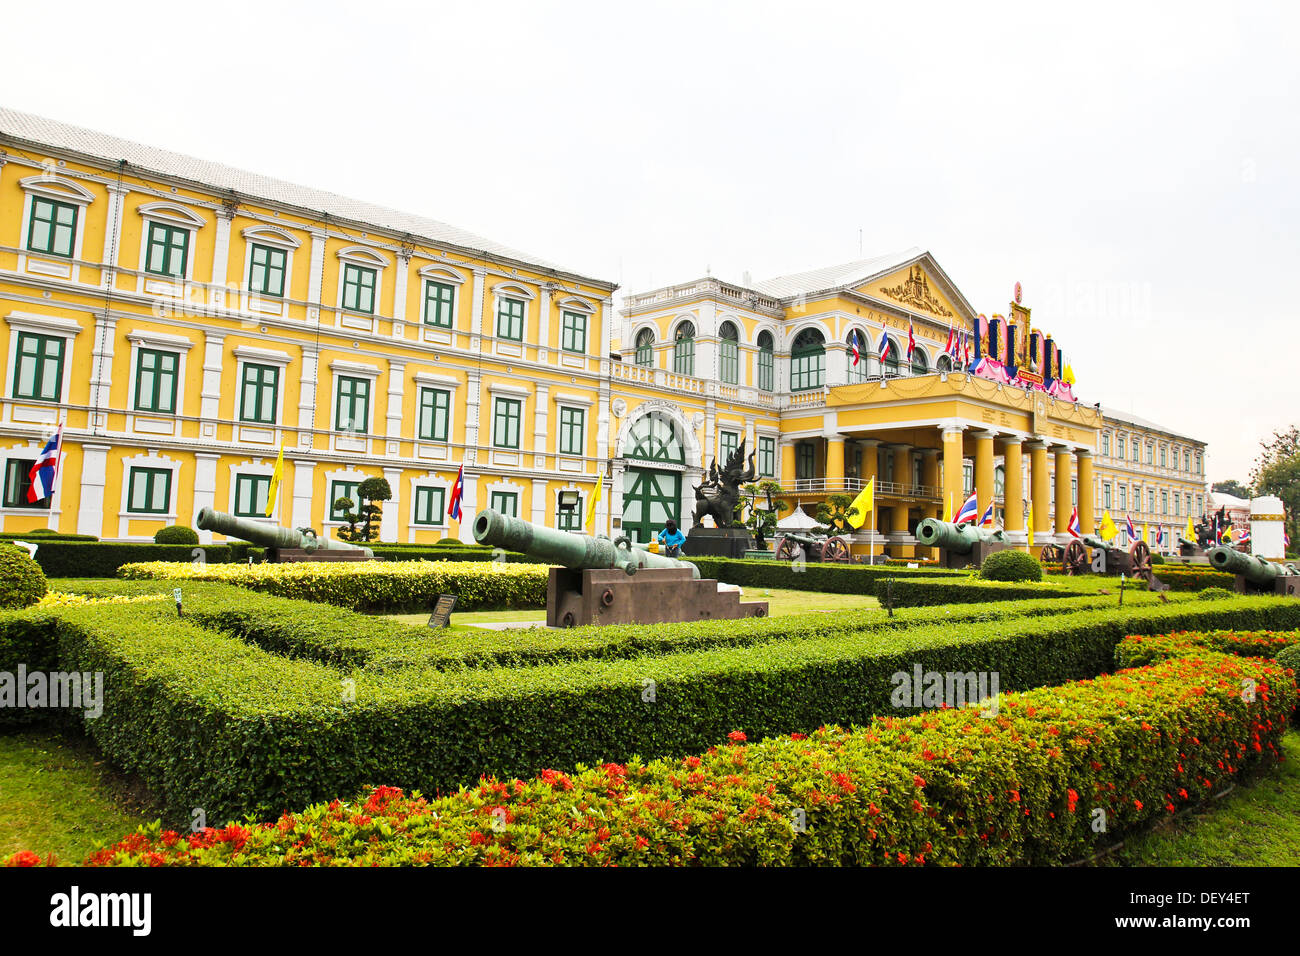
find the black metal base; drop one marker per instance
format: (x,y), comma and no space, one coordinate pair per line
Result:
(718,542)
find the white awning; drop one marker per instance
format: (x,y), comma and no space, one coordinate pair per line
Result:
(797,520)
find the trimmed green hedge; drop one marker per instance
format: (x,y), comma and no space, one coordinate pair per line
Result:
(211,721)
(1188,578)
(101,559)
(814,576)
(911,592)
(406,552)
(44,534)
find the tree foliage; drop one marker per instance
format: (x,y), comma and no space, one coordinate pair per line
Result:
(764,507)
(1232,487)
(833,513)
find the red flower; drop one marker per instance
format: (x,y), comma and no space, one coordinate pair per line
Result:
(737,736)
(1138,804)
(23,858)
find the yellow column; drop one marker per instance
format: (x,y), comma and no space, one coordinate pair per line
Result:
(1013,493)
(952,471)
(834,462)
(787,467)
(1040,496)
(929,478)
(899,517)
(1087,500)
(983,470)
(1064,471)
(870,470)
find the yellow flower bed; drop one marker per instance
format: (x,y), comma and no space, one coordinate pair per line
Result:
(370,585)
(63,599)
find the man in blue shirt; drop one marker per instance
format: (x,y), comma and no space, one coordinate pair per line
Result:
(671,539)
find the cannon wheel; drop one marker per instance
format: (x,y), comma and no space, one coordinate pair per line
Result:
(836,549)
(786,548)
(1075,560)
(1052,553)
(1140,555)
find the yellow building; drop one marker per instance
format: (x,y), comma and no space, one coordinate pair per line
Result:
(185,321)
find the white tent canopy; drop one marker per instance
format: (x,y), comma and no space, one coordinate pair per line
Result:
(797,520)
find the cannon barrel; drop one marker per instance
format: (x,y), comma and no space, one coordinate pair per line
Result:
(578,552)
(957,538)
(803,538)
(268,536)
(1253,568)
(1092,541)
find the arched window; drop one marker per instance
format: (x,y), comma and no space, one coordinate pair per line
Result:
(645,348)
(766,362)
(858,371)
(807,361)
(920,364)
(729,353)
(891,366)
(684,349)
(943,363)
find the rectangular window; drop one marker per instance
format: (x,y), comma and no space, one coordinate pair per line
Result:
(766,365)
(1151,453)
(1199,470)
(728,442)
(1119,448)
(155,381)
(358,288)
(1123,497)
(571,427)
(767,457)
(259,391)
(729,361)
(352,411)
(510,319)
(435,408)
(1074,491)
(1164,457)
(1200,506)
(167,250)
(1187,500)
(805,461)
(1187,460)
(1105,444)
(439,304)
(570,519)
(39,374)
(1151,501)
(53,227)
(505,422)
(1105,495)
(17,481)
(1164,502)
(429,505)
(149,491)
(573,332)
(506,502)
(343,489)
(266,270)
(251,493)
(1137,449)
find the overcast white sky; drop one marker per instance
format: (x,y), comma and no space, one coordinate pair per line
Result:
(1136,166)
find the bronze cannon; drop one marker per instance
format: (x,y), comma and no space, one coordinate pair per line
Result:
(960,545)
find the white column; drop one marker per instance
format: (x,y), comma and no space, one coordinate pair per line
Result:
(690,479)
(94,475)
(614,495)
(602,406)
(101,371)
(540,503)
(307,395)
(210,396)
(468,508)
(476,309)
(396,392)
(303,480)
(314,278)
(544,338)
(473,390)
(113,231)
(205,487)
(388,521)
(541,420)
(837,363)
(221,249)
(706,343)
(399,299)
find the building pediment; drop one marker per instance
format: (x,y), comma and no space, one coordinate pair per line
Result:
(916,289)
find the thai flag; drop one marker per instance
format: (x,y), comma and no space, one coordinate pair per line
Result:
(966,346)
(882,347)
(853,342)
(986,520)
(1073,526)
(1160,536)
(948,345)
(968,511)
(911,341)
(457,493)
(1128,526)
(45,469)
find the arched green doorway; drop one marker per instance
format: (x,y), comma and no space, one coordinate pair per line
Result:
(651,495)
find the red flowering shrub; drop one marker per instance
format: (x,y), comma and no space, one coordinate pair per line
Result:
(1136,650)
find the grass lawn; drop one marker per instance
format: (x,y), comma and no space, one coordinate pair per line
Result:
(780,601)
(1254,825)
(58,796)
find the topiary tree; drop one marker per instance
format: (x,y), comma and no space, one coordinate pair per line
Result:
(343,508)
(176,534)
(22,582)
(370,491)
(833,514)
(762,517)
(1011,566)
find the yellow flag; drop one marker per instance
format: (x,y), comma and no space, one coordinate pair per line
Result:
(865,503)
(1108,528)
(276,474)
(591,505)
(1068,376)
(1030,529)
(1146,533)
(1189,532)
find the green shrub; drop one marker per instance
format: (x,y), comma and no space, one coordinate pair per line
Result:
(1011,565)
(1157,558)
(22,582)
(101,559)
(44,534)
(1290,657)
(812,576)
(911,592)
(448,543)
(1214,594)
(1193,577)
(176,534)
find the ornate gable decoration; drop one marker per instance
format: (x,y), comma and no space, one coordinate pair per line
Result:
(915,292)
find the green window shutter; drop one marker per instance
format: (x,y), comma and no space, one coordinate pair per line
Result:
(358,288)
(251,494)
(52,228)
(38,372)
(767,457)
(573,334)
(259,394)
(435,405)
(429,505)
(505,422)
(167,250)
(16,482)
(728,442)
(352,411)
(570,520)
(571,427)
(155,381)
(510,319)
(439,304)
(266,270)
(343,489)
(506,502)
(149,490)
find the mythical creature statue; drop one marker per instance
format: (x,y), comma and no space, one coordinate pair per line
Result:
(718,496)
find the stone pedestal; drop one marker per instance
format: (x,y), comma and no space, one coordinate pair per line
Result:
(651,596)
(718,542)
(1266,528)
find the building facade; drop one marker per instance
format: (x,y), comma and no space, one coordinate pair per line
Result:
(185,321)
